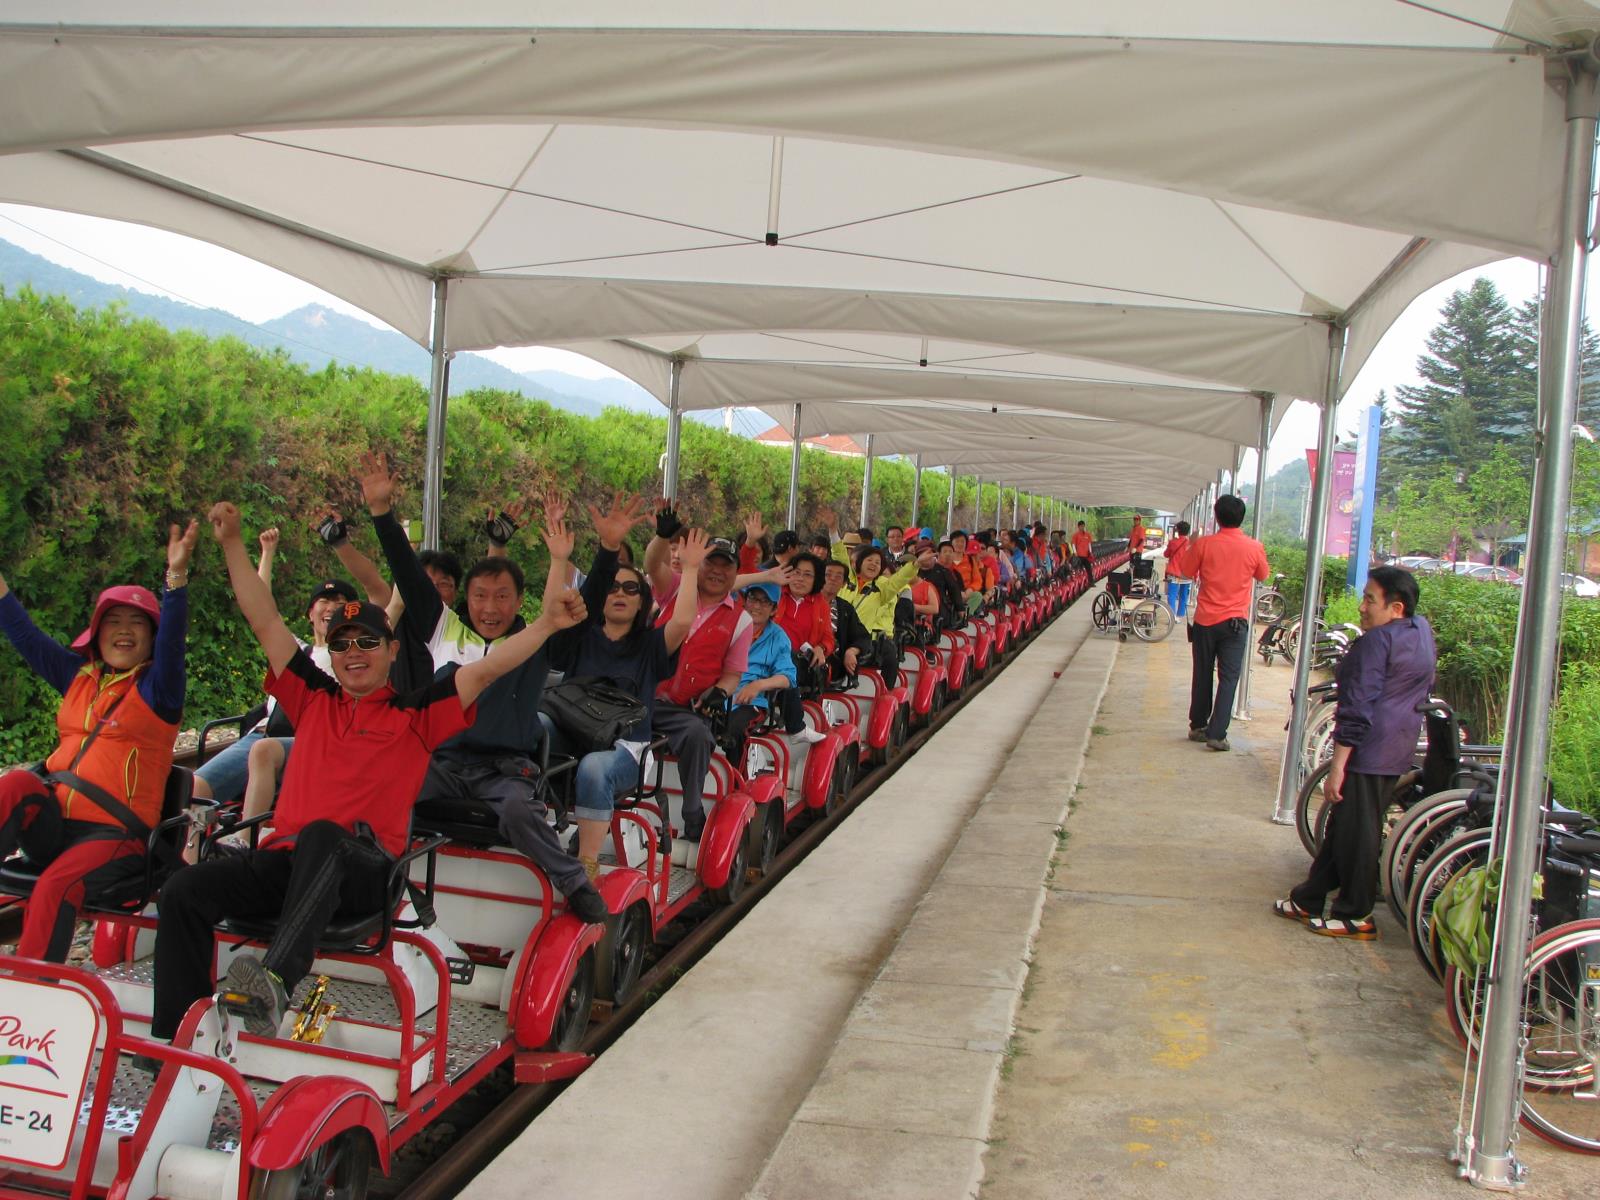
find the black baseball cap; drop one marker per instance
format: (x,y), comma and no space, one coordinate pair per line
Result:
(330,589)
(362,615)
(786,539)
(724,548)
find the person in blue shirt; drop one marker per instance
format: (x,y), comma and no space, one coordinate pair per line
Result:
(771,669)
(1386,675)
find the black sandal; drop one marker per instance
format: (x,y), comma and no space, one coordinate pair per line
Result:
(1289,909)
(1357,929)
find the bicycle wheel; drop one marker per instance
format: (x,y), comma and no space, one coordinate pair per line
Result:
(1103,612)
(1151,619)
(1559,1012)
(1307,805)
(1411,830)
(1270,607)
(1467,849)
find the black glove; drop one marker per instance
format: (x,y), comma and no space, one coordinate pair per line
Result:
(333,531)
(711,699)
(500,529)
(667,522)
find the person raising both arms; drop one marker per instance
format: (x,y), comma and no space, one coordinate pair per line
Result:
(122,685)
(344,812)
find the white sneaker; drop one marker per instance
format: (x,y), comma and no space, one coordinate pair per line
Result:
(808,736)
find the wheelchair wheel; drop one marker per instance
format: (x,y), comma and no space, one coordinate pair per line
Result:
(1151,620)
(1269,608)
(1104,612)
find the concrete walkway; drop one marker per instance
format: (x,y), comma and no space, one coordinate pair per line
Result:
(693,1099)
(1179,1040)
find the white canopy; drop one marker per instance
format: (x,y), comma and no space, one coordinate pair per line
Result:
(1136,214)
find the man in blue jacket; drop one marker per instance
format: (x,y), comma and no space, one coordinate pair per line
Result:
(1385,677)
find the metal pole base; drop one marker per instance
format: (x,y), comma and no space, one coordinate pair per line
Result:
(1282,818)
(1496,1172)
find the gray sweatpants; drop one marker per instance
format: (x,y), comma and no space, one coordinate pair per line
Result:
(508,783)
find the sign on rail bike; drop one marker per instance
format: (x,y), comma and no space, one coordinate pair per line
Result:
(47,1037)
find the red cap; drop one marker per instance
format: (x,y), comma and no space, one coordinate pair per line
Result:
(134,597)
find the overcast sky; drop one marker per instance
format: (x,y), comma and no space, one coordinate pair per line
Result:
(196,272)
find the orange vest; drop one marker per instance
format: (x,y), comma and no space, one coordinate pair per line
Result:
(130,759)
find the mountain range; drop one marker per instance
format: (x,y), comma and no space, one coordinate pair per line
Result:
(316,335)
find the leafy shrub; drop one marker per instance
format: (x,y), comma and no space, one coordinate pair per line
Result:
(1575,738)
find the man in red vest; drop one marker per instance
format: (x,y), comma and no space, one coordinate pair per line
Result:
(122,686)
(709,665)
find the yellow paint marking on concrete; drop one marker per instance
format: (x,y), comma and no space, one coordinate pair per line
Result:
(1184,1033)
(1137,1147)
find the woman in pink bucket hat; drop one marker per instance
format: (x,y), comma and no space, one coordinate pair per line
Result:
(122,687)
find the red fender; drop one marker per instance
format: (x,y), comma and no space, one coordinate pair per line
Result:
(927,682)
(310,1110)
(983,643)
(724,832)
(113,942)
(764,789)
(882,716)
(622,886)
(820,763)
(548,962)
(959,672)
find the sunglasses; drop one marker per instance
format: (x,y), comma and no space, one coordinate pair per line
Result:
(628,587)
(341,645)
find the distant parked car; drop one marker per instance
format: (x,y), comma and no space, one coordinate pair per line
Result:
(1417,562)
(1580,586)
(1485,571)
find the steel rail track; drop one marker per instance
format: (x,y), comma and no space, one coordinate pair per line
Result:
(487,1137)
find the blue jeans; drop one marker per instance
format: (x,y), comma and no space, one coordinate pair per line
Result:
(228,772)
(1178,597)
(602,775)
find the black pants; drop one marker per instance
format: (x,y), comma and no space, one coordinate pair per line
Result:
(1348,857)
(1217,652)
(508,784)
(743,716)
(689,739)
(1087,564)
(329,870)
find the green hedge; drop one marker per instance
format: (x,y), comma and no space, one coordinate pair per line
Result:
(124,427)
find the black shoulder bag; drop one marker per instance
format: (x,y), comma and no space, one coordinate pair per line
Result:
(592,713)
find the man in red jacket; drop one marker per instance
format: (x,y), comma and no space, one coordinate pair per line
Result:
(1227,563)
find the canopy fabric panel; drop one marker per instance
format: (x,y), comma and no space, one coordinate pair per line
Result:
(1073,213)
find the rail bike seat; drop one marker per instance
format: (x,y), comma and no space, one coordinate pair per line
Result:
(476,822)
(366,933)
(133,888)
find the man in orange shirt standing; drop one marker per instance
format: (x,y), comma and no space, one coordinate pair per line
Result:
(1227,563)
(1083,548)
(1136,537)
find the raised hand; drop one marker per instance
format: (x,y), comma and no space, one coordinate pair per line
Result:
(333,529)
(224,518)
(377,482)
(502,527)
(668,519)
(269,540)
(754,529)
(693,550)
(559,539)
(828,519)
(613,524)
(566,610)
(180,546)
(555,505)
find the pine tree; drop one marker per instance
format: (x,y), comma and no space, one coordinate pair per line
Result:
(1477,389)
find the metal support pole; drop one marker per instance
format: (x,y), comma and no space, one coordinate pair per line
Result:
(1016,506)
(438,405)
(977,502)
(669,480)
(950,507)
(794,469)
(1241,698)
(1316,540)
(916,491)
(866,485)
(999,495)
(1491,1159)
